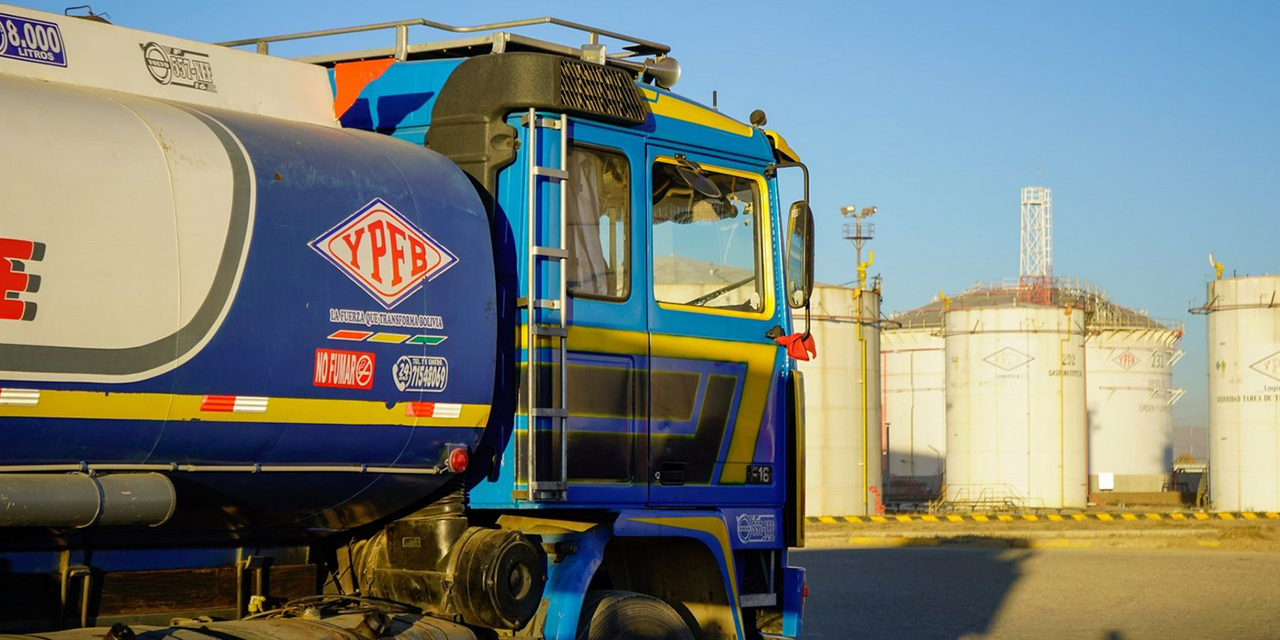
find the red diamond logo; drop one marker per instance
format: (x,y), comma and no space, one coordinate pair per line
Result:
(1268,366)
(1126,360)
(1008,359)
(384,253)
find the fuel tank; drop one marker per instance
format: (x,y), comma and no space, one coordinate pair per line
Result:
(295,323)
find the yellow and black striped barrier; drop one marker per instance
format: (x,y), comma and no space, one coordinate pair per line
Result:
(1051,517)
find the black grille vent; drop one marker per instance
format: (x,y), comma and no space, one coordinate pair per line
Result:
(600,90)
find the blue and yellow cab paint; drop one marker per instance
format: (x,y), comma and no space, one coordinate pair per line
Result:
(674,410)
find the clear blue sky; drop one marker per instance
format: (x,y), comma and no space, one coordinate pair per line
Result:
(1156,124)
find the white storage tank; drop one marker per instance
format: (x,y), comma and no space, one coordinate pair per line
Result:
(1244,393)
(842,404)
(1129,362)
(914,404)
(1015,406)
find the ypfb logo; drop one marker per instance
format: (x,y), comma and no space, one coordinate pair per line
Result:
(1268,366)
(384,253)
(1126,360)
(1008,359)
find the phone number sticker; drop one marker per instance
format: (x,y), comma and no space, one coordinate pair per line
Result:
(31,40)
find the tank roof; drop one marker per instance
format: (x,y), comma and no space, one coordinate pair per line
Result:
(1102,312)
(156,66)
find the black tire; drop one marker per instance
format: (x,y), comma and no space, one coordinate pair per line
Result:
(624,615)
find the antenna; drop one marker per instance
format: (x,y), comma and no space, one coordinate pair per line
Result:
(1036,269)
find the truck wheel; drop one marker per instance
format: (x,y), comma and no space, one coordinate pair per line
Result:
(624,615)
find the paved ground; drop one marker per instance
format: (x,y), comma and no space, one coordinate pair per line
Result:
(1235,535)
(954,592)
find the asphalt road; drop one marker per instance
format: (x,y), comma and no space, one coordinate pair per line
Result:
(952,593)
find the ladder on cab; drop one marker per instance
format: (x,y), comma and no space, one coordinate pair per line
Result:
(546,328)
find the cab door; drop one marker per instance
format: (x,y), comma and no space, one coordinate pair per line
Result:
(608,345)
(713,299)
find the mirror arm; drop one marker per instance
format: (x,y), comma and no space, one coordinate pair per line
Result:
(772,170)
(808,260)
(806,316)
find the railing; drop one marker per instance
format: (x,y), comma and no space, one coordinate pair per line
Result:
(1102,312)
(900,321)
(1264,302)
(985,498)
(497,39)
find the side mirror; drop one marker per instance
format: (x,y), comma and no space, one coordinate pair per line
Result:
(799,254)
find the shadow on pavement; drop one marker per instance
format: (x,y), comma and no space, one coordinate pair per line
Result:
(907,593)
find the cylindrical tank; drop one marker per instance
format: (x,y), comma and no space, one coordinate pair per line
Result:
(914,405)
(1015,407)
(1244,393)
(1129,377)
(295,322)
(842,404)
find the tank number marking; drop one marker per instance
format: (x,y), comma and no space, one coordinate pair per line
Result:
(15,280)
(31,41)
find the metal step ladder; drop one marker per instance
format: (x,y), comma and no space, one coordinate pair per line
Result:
(546,317)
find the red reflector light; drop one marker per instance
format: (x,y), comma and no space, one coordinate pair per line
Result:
(804,592)
(458,459)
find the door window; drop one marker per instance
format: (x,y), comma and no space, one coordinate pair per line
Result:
(598,222)
(706,238)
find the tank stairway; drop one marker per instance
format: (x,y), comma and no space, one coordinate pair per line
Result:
(988,498)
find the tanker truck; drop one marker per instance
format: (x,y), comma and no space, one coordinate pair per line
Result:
(466,337)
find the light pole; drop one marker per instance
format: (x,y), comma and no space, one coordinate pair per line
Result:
(859,232)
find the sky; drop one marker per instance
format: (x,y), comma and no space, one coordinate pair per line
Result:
(1156,124)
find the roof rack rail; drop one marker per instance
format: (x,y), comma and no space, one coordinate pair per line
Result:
(496,41)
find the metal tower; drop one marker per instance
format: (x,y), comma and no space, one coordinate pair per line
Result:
(1036,273)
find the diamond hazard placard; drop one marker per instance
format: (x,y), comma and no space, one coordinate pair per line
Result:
(384,253)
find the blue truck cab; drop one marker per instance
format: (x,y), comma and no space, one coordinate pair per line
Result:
(642,247)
